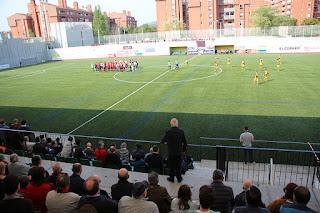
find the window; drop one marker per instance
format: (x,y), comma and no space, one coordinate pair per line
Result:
(241,6)
(241,14)
(173,1)
(309,9)
(210,1)
(87,20)
(173,14)
(173,7)
(200,15)
(210,8)
(249,5)
(70,19)
(210,15)
(308,15)
(309,4)
(68,12)
(201,23)
(71,13)
(62,12)
(241,22)
(63,18)
(210,23)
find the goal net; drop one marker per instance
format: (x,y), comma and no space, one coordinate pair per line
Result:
(28,61)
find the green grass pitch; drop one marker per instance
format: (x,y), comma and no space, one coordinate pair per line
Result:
(61,96)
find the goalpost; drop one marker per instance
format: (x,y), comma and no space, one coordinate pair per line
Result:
(28,61)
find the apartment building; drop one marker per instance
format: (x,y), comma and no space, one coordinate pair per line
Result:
(123,19)
(40,16)
(224,14)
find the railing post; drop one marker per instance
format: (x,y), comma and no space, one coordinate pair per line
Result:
(271,173)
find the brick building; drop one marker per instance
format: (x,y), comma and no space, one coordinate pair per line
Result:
(123,19)
(215,14)
(39,20)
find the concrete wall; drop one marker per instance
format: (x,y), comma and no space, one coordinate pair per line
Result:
(241,45)
(13,50)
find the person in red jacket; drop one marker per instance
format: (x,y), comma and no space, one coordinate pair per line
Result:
(38,189)
(100,152)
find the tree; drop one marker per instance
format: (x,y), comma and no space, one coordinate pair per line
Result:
(284,21)
(263,16)
(310,21)
(100,22)
(173,24)
(31,34)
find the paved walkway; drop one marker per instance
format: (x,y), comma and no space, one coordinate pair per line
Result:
(201,175)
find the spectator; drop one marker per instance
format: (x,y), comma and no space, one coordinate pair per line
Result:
(2,177)
(14,201)
(137,203)
(123,187)
(206,198)
(2,159)
(24,182)
(56,172)
(100,152)
(15,140)
(16,123)
(76,182)
(102,192)
(247,139)
(38,189)
(124,152)
(36,162)
(183,203)
(38,148)
(78,151)
(112,158)
(138,161)
(240,199)
(155,160)
(177,144)
(3,133)
(138,150)
(114,144)
(274,207)
(67,148)
(224,200)
(100,202)
(55,147)
(253,199)
(149,153)
(89,152)
(61,200)
(15,167)
(158,194)
(43,141)
(301,196)
(26,128)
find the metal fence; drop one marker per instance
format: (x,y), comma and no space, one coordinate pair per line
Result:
(272,166)
(282,31)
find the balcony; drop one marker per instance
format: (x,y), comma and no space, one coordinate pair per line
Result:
(227,17)
(226,1)
(228,25)
(228,9)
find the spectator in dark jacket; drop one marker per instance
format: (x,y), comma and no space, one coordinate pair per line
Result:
(112,158)
(138,150)
(78,150)
(76,182)
(158,194)
(26,128)
(3,133)
(240,199)
(89,151)
(253,199)
(36,162)
(15,139)
(56,172)
(224,200)
(123,187)
(38,148)
(101,203)
(14,201)
(155,160)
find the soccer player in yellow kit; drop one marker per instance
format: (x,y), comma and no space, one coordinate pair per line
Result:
(217,59)
(216,66)
(265,75)
(280,60)
(229,62)
(256,79)
(278,64)
(187,63)
(260,63)
(243,65)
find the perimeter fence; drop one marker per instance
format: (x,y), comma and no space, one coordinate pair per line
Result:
(273,166)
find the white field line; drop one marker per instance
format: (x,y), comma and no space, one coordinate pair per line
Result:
(91,119)
(32,73)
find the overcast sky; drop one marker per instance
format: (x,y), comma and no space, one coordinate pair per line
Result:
(143,10)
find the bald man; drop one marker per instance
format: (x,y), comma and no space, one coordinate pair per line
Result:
(123,187)
(93,197)
(240,199)
(177,144)
(102,192)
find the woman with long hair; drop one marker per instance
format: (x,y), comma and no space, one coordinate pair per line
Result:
(183,203)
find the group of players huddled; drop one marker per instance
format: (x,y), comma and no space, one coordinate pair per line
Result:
(243,64)
(119,66)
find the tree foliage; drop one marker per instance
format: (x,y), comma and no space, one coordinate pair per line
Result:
(100,22)
(310,21)
(173,24)
(263,16)
(284,21)
(145,28)
(31,34)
